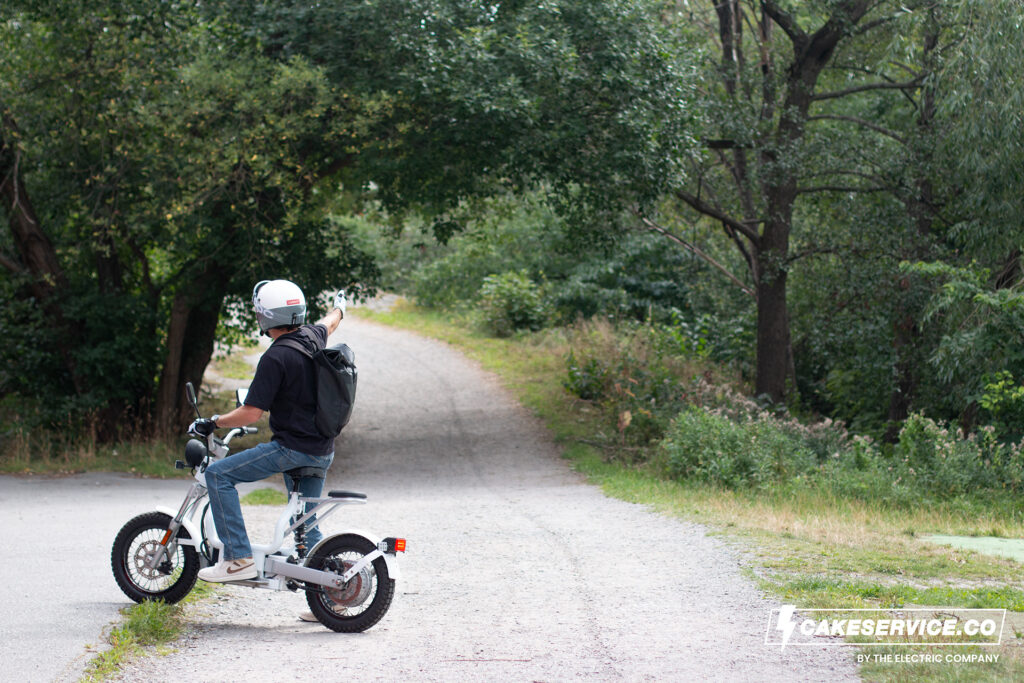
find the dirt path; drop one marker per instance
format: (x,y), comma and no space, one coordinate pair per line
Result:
(517,570)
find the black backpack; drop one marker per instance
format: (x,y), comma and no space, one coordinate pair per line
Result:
(335,381)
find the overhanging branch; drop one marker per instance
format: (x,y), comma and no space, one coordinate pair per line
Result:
(841,188)
(654,227)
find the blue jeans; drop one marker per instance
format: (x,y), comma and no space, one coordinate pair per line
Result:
(254,464)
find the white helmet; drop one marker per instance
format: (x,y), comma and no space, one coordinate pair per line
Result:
(278,303)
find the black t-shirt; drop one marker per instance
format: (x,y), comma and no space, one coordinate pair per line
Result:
(285,384)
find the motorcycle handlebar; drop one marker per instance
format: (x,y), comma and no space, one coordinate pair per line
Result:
(238,431)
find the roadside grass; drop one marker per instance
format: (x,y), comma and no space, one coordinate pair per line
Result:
(233,365)
(265,497)
(146,628)
(802,545)
(51,454)
(56,452)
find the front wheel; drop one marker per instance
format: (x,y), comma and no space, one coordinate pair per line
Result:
(361,602)
(138,539)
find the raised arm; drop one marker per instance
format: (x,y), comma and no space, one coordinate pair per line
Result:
(333,319)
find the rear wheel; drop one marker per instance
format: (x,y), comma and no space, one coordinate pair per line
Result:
(361,602)
(172,579)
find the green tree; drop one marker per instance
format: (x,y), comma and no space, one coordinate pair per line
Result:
(826,135)
(176,154)
(149,180)
(582,97)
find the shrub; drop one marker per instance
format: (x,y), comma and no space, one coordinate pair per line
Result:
(711,447)
(639,374)
(587,379)
(510,302)
(1002,403)
(933,458)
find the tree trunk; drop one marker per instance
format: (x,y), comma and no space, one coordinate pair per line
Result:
(38,257)
(190,342)
(169,393)
(774,349)
(34,247)
(769,251)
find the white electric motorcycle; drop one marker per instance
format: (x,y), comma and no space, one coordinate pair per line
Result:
(349,578)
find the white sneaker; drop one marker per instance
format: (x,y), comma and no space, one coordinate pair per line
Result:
(229,570)
(307,616)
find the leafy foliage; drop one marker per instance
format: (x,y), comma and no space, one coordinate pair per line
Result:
(639,375)
(585,95)
(166,173)
(712,448)
(510,302)
(933,458)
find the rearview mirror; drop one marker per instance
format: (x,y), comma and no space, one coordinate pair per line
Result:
(190,392)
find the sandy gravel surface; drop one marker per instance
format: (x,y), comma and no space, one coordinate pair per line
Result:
(517,570)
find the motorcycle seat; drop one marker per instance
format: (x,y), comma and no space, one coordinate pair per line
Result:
(346,494)
(306,473)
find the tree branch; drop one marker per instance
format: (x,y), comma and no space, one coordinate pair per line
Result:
(12,265)
(726,144)
(859,122)
(841,188)
(905,85)
(654,227)
(786,22)
(881,21)
(703,207)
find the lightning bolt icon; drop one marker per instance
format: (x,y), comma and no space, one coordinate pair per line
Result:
(786,624)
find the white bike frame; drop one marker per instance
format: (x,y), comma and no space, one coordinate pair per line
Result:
(274,571)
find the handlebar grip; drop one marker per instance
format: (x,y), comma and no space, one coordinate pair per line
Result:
(250,430)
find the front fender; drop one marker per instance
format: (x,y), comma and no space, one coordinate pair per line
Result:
(190,527)
(390,560)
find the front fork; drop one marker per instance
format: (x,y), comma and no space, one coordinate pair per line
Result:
(170,537)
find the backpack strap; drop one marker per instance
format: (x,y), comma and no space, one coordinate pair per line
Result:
(302,346)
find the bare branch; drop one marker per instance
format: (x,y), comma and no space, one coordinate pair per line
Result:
(654,227)
(873,177)
(871,25)
(12,265)
(860,122)
(905,85)
(726,144)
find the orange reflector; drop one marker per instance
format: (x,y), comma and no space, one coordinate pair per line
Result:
(400,545)
(167,537)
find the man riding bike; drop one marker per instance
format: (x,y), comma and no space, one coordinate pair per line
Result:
(284,385)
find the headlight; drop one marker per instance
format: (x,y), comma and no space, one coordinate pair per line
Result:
(195,452)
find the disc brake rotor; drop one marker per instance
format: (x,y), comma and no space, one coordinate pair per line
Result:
(145,551)
(356,591)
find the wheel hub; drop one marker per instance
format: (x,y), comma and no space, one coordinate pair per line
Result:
(356,591)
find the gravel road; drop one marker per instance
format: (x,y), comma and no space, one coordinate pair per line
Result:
(517,570)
